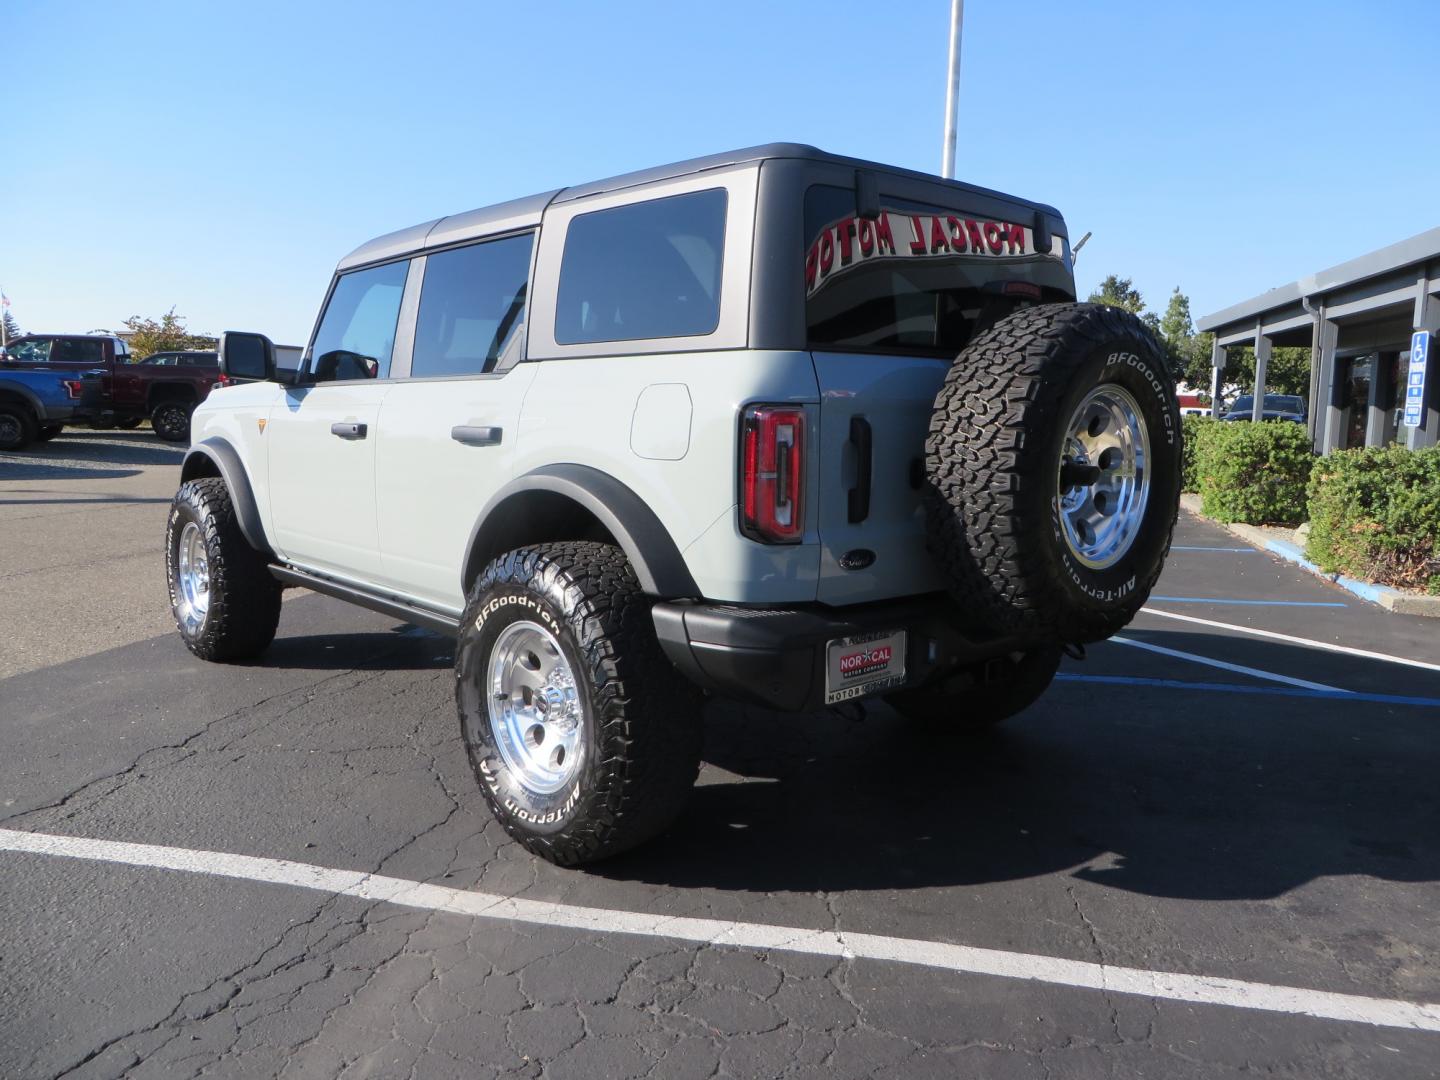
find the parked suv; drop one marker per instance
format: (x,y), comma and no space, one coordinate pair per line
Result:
(778,425)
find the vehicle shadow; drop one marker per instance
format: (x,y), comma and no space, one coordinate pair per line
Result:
(12,469)
(107,447)
(403,648)
(1154,790)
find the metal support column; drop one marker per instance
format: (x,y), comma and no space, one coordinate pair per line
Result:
(1427,317)
(1217,377)
(1328,419)
(1262,363)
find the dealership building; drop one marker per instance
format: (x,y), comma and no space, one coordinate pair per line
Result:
(1360,320)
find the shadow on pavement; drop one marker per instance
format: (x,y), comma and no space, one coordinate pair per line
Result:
(1153,790)
(38,470)
(405,648)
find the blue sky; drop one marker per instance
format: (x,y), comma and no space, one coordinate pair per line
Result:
(220,158)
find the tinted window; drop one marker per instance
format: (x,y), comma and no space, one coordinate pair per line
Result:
(78,351)
(648,270)
(357,334)
(918,279)
(471,306)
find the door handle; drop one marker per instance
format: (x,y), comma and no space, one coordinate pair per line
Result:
(471,435)
(349,430)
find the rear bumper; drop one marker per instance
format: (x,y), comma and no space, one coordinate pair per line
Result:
(776,656)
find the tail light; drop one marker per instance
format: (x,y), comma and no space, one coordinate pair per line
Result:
(223,380)
(73,387)
(772,474)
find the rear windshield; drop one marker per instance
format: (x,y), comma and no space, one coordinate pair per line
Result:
(917,279)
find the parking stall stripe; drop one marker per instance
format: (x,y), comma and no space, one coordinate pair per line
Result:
(1236,688)
(1249,603)
(1239,669)
(1207,547)
(1327,646)
(964,959)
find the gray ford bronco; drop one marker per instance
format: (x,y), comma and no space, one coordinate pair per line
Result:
(774,424)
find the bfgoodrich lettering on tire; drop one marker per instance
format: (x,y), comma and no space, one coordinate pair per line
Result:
(226,604)
(583,738)
(1053,469)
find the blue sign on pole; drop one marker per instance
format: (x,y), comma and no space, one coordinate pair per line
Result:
(1415,380)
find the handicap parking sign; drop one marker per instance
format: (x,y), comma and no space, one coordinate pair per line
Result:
(1415,384)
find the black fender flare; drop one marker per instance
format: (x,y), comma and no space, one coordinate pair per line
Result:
(658,563)
(24,393)
(227,461)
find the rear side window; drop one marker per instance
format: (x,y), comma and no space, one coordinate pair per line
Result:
(33,351)
(78,351)
(471,307)
(357,333)
(647,270)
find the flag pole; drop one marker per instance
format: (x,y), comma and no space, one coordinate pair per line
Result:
(952,93)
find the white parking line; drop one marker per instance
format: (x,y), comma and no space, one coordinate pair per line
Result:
(1171,986)
(1327,646)
(1240,669)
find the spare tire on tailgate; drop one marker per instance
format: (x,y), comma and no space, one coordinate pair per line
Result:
(1053,472)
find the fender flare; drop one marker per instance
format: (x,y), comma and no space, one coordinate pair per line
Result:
(227,461)
(658,564)
(29,396)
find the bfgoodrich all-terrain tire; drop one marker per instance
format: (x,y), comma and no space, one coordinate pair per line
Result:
(584,739)
(976,700)
(226,603)
(1053,469)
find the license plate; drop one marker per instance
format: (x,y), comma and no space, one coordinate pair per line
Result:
(864,664)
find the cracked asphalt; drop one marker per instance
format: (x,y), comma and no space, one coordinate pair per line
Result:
(1273,837)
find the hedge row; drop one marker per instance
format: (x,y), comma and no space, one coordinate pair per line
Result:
(1255,473)
(1375,514)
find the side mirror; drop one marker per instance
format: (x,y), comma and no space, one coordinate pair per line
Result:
(246,356)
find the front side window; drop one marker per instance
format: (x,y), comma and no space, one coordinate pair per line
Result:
(647,270)
(357,333)
(31,351)
(471,307)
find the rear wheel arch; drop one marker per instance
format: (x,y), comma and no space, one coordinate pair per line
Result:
(577,502)
(214,457)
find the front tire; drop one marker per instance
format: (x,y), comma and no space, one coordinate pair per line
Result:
(584,739)
(129,423)
(48,432)
(971,702)
(171,420)
(225,602)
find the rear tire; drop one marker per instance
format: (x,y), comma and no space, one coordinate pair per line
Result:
(584,739)
(1034,537)
(171,420)
(225,602)
(966,704)
(17,426)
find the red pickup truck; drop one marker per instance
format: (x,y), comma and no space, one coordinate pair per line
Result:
(164,387)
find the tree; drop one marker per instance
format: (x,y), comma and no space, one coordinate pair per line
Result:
(166,335)
(1287,373)
(1119,292)
(12,328)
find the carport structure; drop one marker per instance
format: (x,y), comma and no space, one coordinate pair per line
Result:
(1358,319)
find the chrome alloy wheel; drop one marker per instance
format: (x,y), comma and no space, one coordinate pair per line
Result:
(534,708)
(1104,478)
(192,574)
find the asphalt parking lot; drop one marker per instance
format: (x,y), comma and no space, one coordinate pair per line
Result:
(1213,848)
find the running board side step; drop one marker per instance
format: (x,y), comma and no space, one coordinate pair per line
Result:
(385,605)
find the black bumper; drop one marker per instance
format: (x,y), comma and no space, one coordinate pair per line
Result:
(776,656)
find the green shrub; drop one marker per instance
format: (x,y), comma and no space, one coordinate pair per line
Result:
(1375,514)
(1255,473)
(1190,427)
